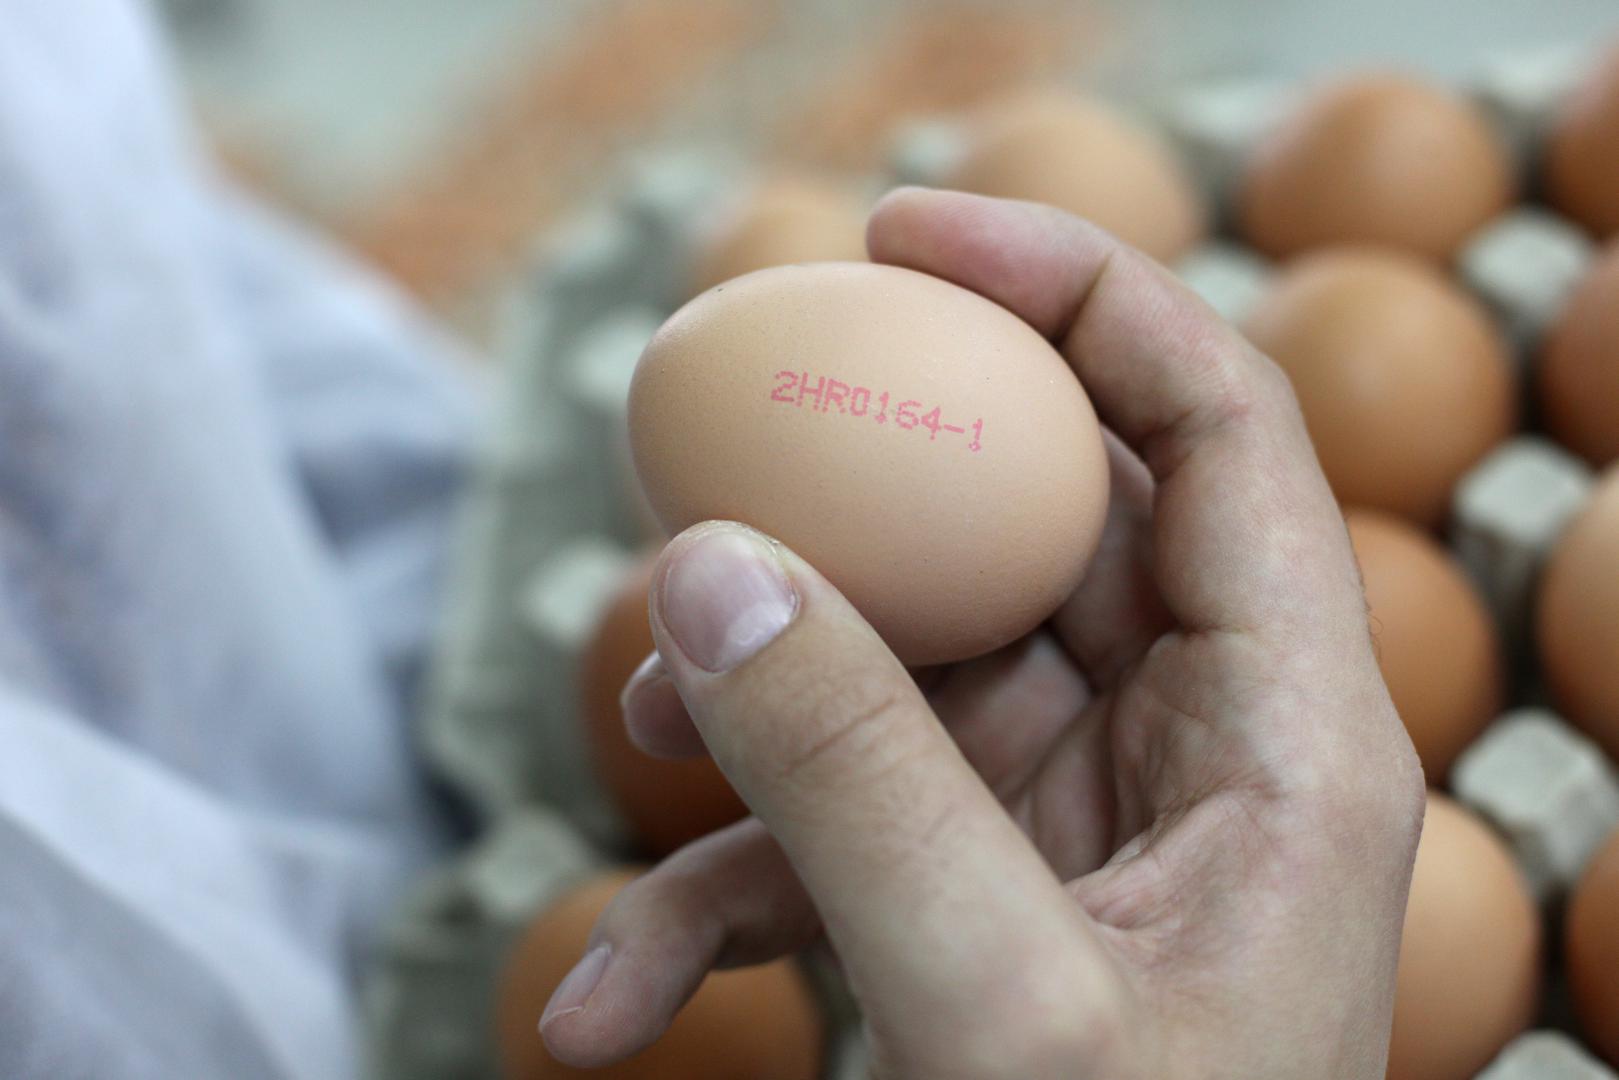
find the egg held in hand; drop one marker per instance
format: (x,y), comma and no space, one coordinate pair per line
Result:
(921,446)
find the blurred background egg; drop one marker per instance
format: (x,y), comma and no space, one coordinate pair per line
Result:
(1592,951)
(1470,958)
(1436,644)
(667,803)
(900,433)
(1579,368)
(1581,168)
(1404,380)
(1083,156)
(1578,617)
(1382,159)
(745,1024)
(787,218)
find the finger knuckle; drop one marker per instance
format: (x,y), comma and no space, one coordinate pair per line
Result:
(1379,792)
(1245,385)
(844,723)
(1403,796)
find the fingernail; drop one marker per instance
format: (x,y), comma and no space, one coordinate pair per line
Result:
(648,674)
(725,597)
(574,991)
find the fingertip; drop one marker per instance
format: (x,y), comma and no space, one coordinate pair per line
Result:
(906,222)
(571,1025)
(655,718)
(721,595)
(1025,256)
(890,216)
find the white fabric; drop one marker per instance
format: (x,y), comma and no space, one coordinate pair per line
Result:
(227,461)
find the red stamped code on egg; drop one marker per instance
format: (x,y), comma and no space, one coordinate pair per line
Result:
(828,395)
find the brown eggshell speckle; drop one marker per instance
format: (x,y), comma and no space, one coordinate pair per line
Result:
(1081,156)
(921,446)
(1436,645)
(743,1024)
(1379,159)
(1404,381)
(667,803)
(1469,977)
(1581,164)
(1578,376)
(1578,617)
(1593,951)
(785,219)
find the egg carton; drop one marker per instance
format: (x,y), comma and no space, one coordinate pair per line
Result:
(1547,789)
(1544,786)
(1546,1055)
(1508,515)
(554,521)
(430,1003)
(555,517)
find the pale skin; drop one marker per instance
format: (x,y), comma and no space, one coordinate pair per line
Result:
(1169,834)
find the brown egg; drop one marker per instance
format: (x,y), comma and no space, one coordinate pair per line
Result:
(1469,978)
(1581,161)
(667,803)
(1592,949)
(1377,159)
(1404,381)
(1578,377)
(1081,156)
(784,220)
(744,1024)
(1578,617)
(1436,645)
(921,446)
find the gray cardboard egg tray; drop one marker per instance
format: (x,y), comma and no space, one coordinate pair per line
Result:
(554,520)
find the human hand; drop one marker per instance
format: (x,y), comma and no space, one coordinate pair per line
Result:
(1168,835)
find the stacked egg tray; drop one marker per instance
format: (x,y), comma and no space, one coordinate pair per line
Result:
(555,523)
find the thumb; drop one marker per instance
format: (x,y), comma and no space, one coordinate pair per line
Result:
(935,900)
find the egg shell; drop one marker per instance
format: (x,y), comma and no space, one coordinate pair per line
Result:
(1082,156)
(1592,951)
(667,804)
(1581,156)
(1578,617)
(782,220)
(1382,159)
(742,1024)
(1578,378)
(1405,382)
(1436,644)
(1470,957)
(922,447)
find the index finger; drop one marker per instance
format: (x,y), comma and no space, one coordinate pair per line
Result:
(1247,534)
